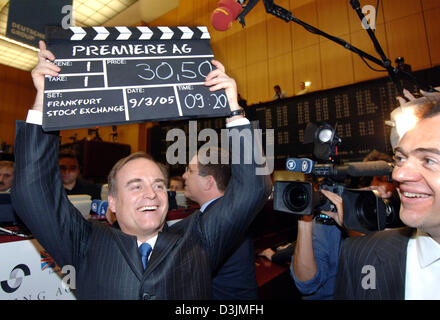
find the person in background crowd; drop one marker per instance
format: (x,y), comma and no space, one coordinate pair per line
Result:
(303,87)
(176,183)
(69,168)
(6,175)
(279,94)
(205,184)
(315,260)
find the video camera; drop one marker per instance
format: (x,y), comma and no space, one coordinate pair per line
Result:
(364,210)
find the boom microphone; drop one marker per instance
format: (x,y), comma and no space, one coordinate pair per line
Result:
(369,168)
(353,169)
(223,16)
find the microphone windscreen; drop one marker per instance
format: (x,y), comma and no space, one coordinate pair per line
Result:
(223,16)
(369,168)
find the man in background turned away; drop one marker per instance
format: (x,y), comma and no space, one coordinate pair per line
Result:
(205,184)
(6,175)
(145,259)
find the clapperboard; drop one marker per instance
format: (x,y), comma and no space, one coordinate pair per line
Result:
(122,75)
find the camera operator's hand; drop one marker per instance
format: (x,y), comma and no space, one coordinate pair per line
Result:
(337,201)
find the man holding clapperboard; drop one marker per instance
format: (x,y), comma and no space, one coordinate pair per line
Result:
(107,261)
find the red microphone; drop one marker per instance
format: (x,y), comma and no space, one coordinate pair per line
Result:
(225,14)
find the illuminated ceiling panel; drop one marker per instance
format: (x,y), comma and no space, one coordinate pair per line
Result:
(87,13)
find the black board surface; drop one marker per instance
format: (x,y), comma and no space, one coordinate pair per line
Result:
(120,75)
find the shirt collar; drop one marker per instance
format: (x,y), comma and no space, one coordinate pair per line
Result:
(151,242)
(428,250)
(207,203)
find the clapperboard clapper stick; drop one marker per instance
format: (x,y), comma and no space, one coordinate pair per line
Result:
(122,75)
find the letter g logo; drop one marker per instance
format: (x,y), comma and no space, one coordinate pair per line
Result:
(15,275)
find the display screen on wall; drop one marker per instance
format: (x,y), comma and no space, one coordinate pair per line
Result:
(358,112)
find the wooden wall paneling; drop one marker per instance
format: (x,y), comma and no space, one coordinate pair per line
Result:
(256,43)
(396,9)
(355,21)
(17,96)
(236,49)
(333,17)
(336,64)
(256,35)
(201,14)
(430,4)
(295,4)
(185,13)
(406,37)
(7,119)
(307,67)
(278,33)
(307,13)
(256,16)
(240,76)
(258,87)
(169,19)
(281,73)
(219,48)
(432,22)
(128,134)
(361,40)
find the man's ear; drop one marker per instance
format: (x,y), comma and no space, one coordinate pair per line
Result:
(111,203)
(210,183)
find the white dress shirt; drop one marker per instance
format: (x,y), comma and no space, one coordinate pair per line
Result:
(151,242)
(422,268)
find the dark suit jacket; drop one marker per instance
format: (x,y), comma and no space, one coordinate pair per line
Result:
(373,267)
(107,261)
(235,279)
(85,187)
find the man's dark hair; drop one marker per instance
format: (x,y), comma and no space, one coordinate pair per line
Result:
(68,154)
(430,108)
(219,170)
(7,163)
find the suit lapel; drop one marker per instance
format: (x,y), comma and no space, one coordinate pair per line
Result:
(392,256)
(164,243)
(129,249)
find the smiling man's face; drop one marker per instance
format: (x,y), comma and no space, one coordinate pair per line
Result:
(141,199)
(417,171)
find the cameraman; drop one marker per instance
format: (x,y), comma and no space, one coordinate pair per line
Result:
(315,261)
